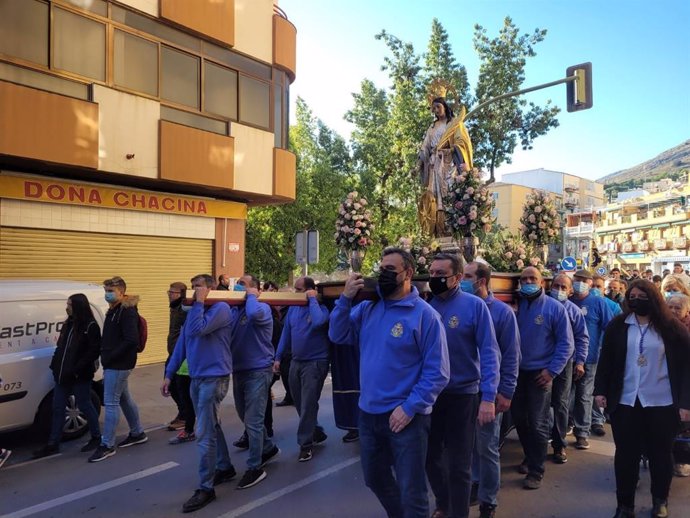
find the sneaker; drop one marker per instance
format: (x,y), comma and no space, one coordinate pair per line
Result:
(183,436)
(351,436)
(559,456)
(487,510)
(305,455)
(624,512)
(285,402)
(46,451)
(251,478)
(102,453)
(659,508)
(474,494)
(531,482)
(598,430)
(681,470)
(199,499)
(242,443)
(320,436)
(176,425)
(91,445)
(269,455)
(4,455)
(581,443)
(522,468)
(224,475)
(569,431)
(131,440)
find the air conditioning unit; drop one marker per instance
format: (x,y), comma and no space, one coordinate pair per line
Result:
(660,244)
(680,242)
(643,246)
(628,247)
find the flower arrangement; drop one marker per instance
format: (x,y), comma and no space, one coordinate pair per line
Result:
(540,222)
(423,255)
(353,225)
(509,252)
(468,204)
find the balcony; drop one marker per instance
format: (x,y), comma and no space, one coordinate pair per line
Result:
(583,229)
(569,187)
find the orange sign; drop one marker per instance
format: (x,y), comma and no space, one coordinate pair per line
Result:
(91,195)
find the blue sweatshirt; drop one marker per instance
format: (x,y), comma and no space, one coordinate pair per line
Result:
(251,341)
(305,332)
(580,334)
(472,346)
(614,308)
(204,342)
(545,334)
(597,316)
(403,352)
(508,337)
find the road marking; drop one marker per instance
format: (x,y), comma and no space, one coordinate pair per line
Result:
(89,491)
(288,489)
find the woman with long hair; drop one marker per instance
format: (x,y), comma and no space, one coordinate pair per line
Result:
(643,380)
(73,366)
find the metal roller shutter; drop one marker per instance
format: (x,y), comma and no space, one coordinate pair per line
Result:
(147,263)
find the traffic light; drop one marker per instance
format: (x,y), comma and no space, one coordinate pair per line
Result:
(579,91)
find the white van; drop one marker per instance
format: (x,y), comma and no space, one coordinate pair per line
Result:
(31,315)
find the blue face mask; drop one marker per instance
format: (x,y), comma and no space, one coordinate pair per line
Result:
(239,287)
(529,289)
(581,288)
(560,296)
(468,287)
(110,297)
(596,292)
(669,294)
(186,309)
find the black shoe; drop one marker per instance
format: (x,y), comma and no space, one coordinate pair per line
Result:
(131,440)
(200,498)
(487,510)
(659,508)
(91,445)
(102,453)
(474,494)
(269,455)
(242,443)
(531,481)
(269,432)
(285,402)
(224,475)
(559,456)
(251,478)
(46,451)
(351,436)
(598,430)
(522,468)
(305,455)
(319,436)
(624,512)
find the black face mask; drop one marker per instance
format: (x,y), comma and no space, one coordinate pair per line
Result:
(640,307)
(388,282)
(438,285)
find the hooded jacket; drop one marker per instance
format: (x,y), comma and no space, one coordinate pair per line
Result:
(76,353)
(121,335)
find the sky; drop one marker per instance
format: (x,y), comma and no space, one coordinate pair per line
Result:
(639,50)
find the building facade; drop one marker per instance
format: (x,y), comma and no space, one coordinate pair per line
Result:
(135,134)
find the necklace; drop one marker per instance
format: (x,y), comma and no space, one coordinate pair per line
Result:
(641,359)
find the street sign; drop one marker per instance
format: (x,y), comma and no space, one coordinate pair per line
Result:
(601,270)
(307,247)
(301,247)
(568,264)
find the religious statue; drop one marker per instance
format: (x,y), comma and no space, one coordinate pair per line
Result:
(446,149)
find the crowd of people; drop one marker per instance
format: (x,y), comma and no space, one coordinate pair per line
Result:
(423,386)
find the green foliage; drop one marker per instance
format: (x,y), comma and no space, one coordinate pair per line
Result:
(439,63)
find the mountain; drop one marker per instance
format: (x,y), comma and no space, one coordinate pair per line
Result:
(670,161)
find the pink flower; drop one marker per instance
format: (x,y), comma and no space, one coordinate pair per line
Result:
(363,201)
(532,218)
(357,231)
(509,255)
(358,224)
(533,236)
(487,227)
(473,215)
(421,260)
(357,206)
(538,209)
(542,224)
(362,241)
(470,190)
(462,220)
(534,261)
(519,263)
(458,205)
(348,216)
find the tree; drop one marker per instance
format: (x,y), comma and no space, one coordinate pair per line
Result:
(439,63)
(496,129)
(323,175)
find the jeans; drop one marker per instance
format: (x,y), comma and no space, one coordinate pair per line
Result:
(116,395)
(306,383)
(382,451)
(250,389)
(583,398)
(449,459)
(560,402)
(638,430)
(183,385)
(207,394)
(531,413)
(486,460)
(82,395)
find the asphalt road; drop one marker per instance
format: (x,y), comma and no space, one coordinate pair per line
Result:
(154,479)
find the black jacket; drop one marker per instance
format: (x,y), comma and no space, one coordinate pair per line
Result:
(121,335)
(76,353)
(177,318)
(611,369)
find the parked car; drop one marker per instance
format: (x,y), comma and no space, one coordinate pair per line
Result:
(31,315)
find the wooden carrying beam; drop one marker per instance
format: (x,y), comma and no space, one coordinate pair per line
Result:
(237,298)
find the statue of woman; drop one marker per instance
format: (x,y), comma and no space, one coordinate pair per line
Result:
(446,149)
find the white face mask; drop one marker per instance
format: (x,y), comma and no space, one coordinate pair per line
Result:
(560,296)
(581,288)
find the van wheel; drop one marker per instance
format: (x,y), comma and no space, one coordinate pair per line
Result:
(75,425)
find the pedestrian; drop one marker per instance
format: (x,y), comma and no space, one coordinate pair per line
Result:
(204,342)
(470,394)
(679,272)
(73,366)
(119,346)
(642,381)
(598,290)
(679,304)
(672,285)
(253,355)
(403,367)
(547,345)
(486,460)
(223,282)
(305,334)
(616,291)
(177,317)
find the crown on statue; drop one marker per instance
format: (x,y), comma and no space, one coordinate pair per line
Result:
(440,88)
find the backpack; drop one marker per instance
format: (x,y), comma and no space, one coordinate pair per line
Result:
(143,334)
